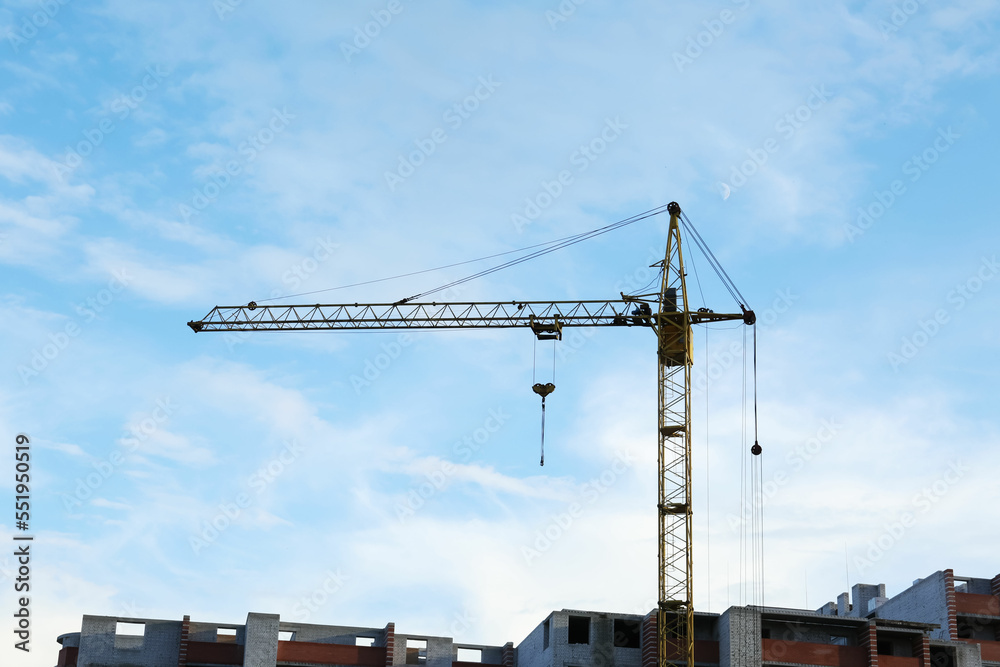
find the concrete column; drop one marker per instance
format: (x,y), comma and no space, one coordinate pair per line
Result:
(602,641)
(843,605)
(740,642)
(863,594)
(261,649)
(949,598)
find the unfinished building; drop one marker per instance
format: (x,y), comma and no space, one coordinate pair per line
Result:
(940,621)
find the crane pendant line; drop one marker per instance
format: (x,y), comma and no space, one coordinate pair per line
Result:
(672,324)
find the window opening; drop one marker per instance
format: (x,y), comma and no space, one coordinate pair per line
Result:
(470,654)
(416,651)
(626,633)
(579,629)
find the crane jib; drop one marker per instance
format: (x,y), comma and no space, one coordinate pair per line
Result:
(542,317)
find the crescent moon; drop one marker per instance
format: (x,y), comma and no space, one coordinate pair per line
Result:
(724,190)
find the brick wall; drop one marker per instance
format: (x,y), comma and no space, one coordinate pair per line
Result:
(868,641)
(330,654)
(995,589)
(216,653)
(949,597)
(182,652)
(809,653)
(648,640)
(507,655)
(922,650)
(67,656)
(390,643)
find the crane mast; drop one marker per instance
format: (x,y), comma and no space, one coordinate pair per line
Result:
(672,324)
(675,612)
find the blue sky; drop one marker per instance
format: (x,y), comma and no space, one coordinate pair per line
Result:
(158,159)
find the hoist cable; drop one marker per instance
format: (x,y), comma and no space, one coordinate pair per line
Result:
(553,361)
(534,357)
(542,461)
(760,464)
(743,480)
(708,484)
(755,382)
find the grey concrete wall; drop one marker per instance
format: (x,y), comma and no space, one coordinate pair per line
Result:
(739,638)
(706,626)
(978,586)
(332,634)
(602,640)
(261,648)
(829,609)
(564,653)
(439,650)
(599,652)
(100,646)
(923,602)
(793,631)
(491,655)
(208,632)
(861,594)
(531,652)
(968,655)
(901,646)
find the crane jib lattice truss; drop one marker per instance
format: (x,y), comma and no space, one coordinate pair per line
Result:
(671,321)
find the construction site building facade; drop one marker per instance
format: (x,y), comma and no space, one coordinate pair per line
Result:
(940,621)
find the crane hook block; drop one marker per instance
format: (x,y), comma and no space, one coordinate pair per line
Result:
(756,449)
(543,390)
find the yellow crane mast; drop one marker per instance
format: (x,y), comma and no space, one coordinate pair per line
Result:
(672,322)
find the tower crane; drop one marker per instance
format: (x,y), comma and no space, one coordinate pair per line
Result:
(666,313)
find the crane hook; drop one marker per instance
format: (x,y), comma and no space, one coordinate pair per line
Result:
(543,390)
